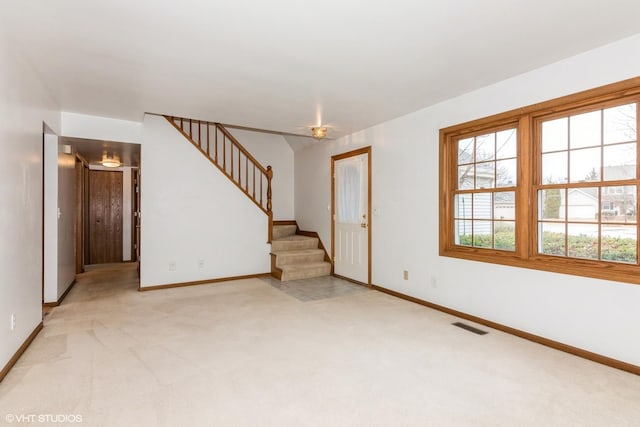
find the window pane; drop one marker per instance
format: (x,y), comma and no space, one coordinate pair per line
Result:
(619,162)
(485,147)
(504,205)
(555,135)
(620,244)
(463,233)
(463,206)
(485,175)
(465,177)
(505,235)
(506,173)
(585,130)
(465,151)
(551,203)
(583,241)
(619,204)
(506,144)
(554,168)
(583,204)
(482,203)
(585,165)
(620,124)
(482,234)
(552,238)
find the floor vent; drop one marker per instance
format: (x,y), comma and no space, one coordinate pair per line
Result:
(469,328)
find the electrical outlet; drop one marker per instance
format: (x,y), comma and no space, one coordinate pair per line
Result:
(172,266)
(434,281)
(405,274)
(13,321)
(201,263)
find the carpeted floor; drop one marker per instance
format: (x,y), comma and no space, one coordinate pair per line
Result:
(246,353)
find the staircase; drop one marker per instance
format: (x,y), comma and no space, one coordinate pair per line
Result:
(215,142)
(297,254)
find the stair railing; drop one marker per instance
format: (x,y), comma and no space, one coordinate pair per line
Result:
(215,142)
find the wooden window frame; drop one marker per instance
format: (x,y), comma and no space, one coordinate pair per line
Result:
(526,119)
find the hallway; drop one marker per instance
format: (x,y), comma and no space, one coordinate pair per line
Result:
(248,353)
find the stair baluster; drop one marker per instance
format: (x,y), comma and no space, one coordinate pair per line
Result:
(262,174)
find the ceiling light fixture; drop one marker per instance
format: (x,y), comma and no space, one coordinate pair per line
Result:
(110,161)
(319,132)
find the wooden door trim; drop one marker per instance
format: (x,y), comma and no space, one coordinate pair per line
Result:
(342,156)
(79,208)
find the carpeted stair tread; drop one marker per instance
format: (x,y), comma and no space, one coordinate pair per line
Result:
(280,231)
(293,238)
(303,256)
(294,242)
(300,252)
(306,266)
(305,271)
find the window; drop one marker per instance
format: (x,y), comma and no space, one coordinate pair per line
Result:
(484,199)
(587,191)
(552,186)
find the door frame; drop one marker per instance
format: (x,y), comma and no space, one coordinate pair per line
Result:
(79,229)
(367,151)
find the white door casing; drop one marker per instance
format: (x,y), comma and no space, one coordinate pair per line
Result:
(350,215)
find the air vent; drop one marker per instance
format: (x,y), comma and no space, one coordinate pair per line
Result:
(469,328)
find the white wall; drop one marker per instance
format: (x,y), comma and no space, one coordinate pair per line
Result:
(273,150)
(100,128)
(59,219)
(595,315)
(66,221)
(50,217)
(24,105)
(192,212)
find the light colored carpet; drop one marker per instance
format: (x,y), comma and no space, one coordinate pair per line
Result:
(244,353)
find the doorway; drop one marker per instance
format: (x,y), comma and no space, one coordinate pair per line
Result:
(351,215)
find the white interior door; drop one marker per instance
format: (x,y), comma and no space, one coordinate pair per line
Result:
(351,238)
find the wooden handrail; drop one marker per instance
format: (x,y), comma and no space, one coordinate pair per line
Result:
(260,173)
(239,146)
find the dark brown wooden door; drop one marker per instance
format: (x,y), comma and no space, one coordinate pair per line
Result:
(135,215)
(105,217)
(79,216)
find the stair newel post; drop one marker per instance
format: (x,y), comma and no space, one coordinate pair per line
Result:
(269,204)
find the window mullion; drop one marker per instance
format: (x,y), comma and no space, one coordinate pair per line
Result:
(524,195)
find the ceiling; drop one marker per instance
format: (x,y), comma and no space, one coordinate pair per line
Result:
(288,65)
(93,150)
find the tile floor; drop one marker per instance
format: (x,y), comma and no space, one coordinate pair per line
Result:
(317,288)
